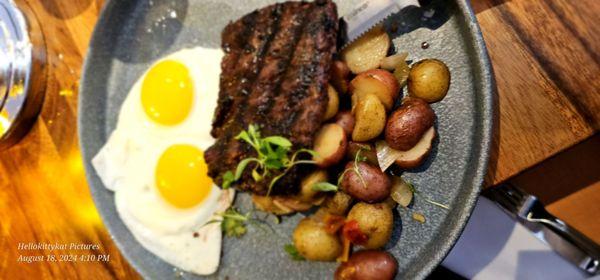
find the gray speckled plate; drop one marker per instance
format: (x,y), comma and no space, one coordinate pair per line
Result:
(128,39)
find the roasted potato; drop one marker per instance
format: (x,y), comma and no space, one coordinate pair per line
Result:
(379,82)
(366,52)
(307,194)
(330,145)
(406,126)
(340,74)
(346,120)
(417,154)
(368,265)
(374,220)
(370,118)
(337,204)
(370,186)
(333,104)
(429,79)
(314,243)
(366,150)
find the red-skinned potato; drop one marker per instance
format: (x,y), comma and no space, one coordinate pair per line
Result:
(374,186)
(368,265)
(340,74)
(346,120)
(418,154)
(379,82)
(330,145)
(408,124)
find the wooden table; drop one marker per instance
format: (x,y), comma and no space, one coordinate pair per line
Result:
(546,60)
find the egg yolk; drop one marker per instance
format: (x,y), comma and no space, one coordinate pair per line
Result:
(167,93)
(181,176)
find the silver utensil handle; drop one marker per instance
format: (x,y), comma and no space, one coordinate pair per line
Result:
(583,252)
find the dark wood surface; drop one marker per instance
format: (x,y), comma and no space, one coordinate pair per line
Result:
(545,57)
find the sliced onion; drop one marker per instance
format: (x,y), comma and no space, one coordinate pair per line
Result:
(401,192)
(401,73)
(391,62)
(386,156)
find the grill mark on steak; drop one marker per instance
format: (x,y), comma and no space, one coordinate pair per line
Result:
(236,150)
(306,98)
(277,61)
(249,62)
(251,52)
(285,88)
(307,122)
(232,42)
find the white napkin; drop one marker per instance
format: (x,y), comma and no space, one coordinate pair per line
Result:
(494,246)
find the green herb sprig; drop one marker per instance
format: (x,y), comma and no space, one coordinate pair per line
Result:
(419,194)
(293,252)
(329,187)
(272,155)
(234,223)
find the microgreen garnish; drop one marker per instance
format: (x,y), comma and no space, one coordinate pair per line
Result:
(293,252)
(329,187)
(325,187)
(272,154)
(233,222)
(357,158)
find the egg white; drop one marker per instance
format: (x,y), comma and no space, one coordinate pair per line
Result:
(127,162)
(204,66)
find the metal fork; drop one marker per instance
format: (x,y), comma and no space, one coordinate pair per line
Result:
(565,240)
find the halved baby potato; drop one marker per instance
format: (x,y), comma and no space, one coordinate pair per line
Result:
(330,145)
(379,82)
(407,125)
(417,155)
(366,52)
(369,113)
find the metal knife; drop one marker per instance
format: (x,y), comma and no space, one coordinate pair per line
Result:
(369,14)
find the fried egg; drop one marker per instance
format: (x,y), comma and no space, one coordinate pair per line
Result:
(154,161)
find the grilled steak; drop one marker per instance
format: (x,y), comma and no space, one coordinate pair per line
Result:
(274,74)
